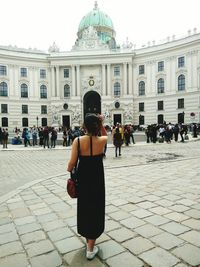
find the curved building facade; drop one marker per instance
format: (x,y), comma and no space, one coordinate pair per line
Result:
(152,84)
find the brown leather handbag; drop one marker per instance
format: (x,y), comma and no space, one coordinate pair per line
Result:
(72,182)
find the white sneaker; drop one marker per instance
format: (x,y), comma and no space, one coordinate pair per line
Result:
(91,254)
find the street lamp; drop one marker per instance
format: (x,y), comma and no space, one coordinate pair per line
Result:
(37,121)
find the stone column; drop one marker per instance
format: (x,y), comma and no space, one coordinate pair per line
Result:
(103,79)
(11,75)
(125,79)
(57,82)
(130,79)
(108,81)
(53,93)
(73,81)
(78,80)
(36,92)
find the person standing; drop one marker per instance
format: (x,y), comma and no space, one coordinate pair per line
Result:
(91,185)
(117,141)
(5,138)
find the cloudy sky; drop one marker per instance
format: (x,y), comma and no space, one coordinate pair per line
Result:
(38,23)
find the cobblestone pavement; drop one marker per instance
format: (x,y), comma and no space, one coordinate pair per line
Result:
(152,208)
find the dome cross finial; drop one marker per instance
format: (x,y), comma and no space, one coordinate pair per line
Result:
(95,5)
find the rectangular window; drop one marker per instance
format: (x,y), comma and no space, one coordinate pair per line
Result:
(43,109)
(141,69)
(117,71)
(23,72)
(181,62)
(161,66)
(181,103)
(24,109)
(141,106)
(160,105)
(66,73)
(43,74)
(4,108)
(3,70)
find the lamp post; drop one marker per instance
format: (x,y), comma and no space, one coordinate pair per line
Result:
(37,121)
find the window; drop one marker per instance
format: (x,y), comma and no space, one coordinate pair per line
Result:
(3,89)
(141,106)
(44,122)
(66,73)
(181,62)
(66,90)
(23,72)
(116,71)
(24,109)
(160,105)
(4,108)
(24,90)
(141,88)
(160,119)
(43,91)
(117,89)
(43,74)
(161,86)
(43,109)
(24,122)
(181,103)
(181,82)
(141,120)
(141,69)
(3,70)
(161,66)
(4,122)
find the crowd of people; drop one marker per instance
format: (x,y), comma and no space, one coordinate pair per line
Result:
(121,135)
(168,132)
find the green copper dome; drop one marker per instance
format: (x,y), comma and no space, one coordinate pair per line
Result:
(100,21)
(95,18)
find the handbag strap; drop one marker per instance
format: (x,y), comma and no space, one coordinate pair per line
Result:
(90,145)
(78,148)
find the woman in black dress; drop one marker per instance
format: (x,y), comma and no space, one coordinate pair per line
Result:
(91,186)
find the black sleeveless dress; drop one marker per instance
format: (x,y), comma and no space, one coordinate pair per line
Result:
(91,196)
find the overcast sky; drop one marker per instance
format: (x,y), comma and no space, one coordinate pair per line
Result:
(38,23)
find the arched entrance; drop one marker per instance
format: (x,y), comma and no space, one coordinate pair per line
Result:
(92,103)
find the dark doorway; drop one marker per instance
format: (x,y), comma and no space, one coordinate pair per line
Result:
(92,103)
(117,118)
(66,121)
(181,117)
(160,119)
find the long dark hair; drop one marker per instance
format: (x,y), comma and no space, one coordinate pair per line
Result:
(92,124)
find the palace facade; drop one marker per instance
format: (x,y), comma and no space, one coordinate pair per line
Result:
(152,84)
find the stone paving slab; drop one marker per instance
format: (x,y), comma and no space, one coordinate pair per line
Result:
(152,211)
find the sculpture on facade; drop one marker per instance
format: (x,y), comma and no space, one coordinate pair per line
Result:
(89,40)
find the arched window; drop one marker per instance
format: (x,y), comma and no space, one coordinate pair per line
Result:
(3,89)
(24,122)
(117,89)
(141,88)
(24,90)
(43,91)
(4,122)
(160,119)
(66,90)
(181,82)
(161,86)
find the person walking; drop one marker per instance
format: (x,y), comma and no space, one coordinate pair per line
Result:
(91,184)
(117,141)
